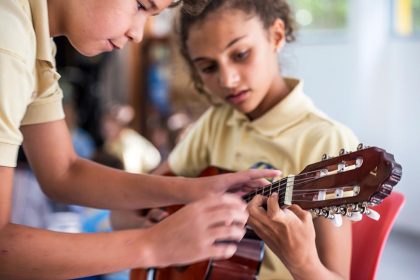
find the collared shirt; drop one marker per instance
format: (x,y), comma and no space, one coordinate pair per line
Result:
(290,136)
(29,90)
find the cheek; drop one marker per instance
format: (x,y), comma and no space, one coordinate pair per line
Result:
(108,28)
(264,65)
(210,82)
(104,24)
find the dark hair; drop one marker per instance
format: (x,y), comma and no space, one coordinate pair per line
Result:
(196,11)
(192,7)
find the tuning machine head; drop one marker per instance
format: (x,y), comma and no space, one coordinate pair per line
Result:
(325,157)
(354,212)
(332,213)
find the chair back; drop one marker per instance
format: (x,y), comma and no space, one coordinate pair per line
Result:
(370,236)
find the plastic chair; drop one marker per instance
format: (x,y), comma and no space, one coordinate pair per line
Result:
(370,236)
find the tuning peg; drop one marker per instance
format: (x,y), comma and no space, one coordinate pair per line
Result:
(359,162)
(342,152)
(372,214)
(355,216)
(337,220)
(360,146)
(325,157)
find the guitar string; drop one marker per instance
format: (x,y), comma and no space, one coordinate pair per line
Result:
(303,193)
(295,192)
(310,192)
(268,189)
(282,182)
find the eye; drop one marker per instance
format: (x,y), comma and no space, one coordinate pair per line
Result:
(140,6)
(240,56)
(211,68)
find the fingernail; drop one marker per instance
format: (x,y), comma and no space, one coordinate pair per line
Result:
(230,251)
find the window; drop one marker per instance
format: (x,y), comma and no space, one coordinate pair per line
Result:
(406,21)
(321,20)
(416,16)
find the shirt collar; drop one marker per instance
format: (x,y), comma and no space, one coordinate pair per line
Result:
(44,47)
(286,113)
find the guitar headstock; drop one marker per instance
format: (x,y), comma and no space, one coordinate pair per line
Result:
(346,184)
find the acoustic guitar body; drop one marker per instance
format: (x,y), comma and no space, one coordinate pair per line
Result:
(244,265)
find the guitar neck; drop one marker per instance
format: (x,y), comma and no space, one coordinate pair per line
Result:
(284,188)
(352,179)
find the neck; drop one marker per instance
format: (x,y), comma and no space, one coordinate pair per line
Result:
(277,92)
(56,17)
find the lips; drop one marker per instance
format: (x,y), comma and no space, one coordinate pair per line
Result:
(114,46)
(238,97)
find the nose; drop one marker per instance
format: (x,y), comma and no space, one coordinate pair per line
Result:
(228,77)
(136,31)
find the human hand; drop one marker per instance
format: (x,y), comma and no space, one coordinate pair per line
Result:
(288,232)
(153,216)
(239,182)
(131,219)
(194,233)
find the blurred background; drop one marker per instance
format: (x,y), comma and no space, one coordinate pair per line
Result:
(360,61)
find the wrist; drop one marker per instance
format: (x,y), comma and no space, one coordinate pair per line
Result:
(187,190)
(304,271)
(146,251)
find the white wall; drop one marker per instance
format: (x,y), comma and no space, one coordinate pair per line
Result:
(371,82)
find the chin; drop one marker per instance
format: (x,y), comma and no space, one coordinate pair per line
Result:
(89,53)
(85,50)
(245,108)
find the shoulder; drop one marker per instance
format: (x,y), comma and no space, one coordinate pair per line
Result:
(17,36)
(323,135)
(215,116)
(323,125)
(328,133)
(206,128)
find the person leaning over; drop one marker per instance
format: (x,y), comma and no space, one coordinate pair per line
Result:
(31,113)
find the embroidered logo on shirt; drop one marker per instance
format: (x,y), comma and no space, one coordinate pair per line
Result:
(263,165)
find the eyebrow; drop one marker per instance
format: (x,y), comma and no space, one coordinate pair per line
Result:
(231,43)
(154,6)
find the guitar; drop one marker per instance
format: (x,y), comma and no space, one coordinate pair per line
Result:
(346,185)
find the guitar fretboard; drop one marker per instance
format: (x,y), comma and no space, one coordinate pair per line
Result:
(275,187)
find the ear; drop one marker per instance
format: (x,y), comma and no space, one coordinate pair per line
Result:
(278,34)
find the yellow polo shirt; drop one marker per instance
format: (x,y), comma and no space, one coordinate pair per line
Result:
(292,135)
(29,91)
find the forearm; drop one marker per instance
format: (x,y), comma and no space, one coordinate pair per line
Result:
(127,219)
(66,177)
(314,269)
(332,256)
(6,182)
(87,183)
(28,253)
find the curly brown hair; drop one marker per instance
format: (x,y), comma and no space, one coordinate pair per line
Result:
(192,7)
(196,11)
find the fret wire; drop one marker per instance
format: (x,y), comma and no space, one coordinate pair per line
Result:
(282,183)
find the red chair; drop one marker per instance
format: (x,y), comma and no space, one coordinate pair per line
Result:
(370,236)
